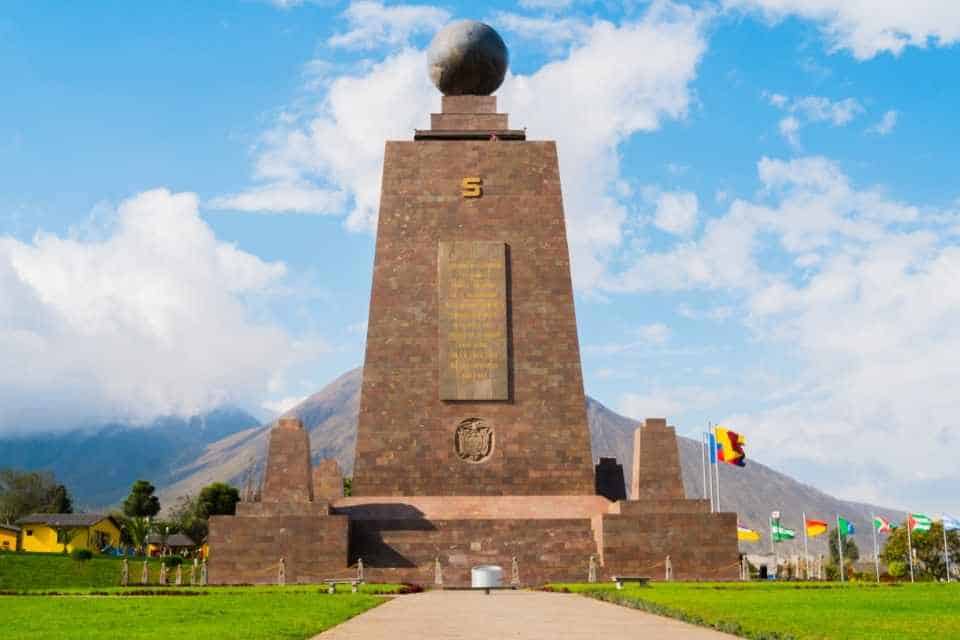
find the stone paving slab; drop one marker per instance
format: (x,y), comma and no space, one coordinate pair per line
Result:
(469,615)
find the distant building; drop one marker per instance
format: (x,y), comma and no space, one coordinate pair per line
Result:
(175,543)
(54,532)
(9,537)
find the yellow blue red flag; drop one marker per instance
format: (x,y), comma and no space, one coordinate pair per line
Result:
(730,447)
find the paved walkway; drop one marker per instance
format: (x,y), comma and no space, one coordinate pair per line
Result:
(467,615)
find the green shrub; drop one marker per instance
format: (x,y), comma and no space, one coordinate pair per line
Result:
(897,568)
(81,555)
(173,561)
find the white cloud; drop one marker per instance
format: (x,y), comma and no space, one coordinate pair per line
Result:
(861,293)
(551,30)
(886,125)
(812,109)
(337,144)
(869,27)
(656,333)
(676,212)
(152,319)
(282,198)
(282,405)
(373,24)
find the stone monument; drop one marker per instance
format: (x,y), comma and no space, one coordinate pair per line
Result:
(473,445)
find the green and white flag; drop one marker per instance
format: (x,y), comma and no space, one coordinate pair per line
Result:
(919,522)
(780,533)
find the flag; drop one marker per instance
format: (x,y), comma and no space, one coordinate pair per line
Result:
(919,522)
(713,449)
(950,523)
(845,527)
(730,447)
(747,534)
(815,528)
(882,525)
(780,533)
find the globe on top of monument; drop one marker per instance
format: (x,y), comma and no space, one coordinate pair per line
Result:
(467,58)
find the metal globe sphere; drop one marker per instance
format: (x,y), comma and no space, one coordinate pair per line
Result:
(467,58)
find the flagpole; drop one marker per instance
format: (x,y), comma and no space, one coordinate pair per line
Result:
(910,544)
(876,548)
(840,547)
(715,447)
(806,549)
(703,465)
(946,549)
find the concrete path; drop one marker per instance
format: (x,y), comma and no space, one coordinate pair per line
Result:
(467,615)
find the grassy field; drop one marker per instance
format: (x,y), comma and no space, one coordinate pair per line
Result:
(249,613)
(801,611)
(57,571)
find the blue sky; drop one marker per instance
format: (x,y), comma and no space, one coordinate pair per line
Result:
(761,197)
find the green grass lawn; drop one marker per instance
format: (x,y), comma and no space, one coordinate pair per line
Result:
(250,613)
(801,611)
(58,571)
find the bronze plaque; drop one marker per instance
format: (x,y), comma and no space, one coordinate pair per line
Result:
(473,320)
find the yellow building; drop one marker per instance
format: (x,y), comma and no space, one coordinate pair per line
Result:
(51,532)
(9,535)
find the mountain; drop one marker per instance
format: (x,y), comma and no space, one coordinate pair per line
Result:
(98,464)
(331,417)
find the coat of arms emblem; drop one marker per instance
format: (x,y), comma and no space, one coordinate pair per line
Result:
(473,440)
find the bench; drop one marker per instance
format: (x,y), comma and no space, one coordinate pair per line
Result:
(621,579)
(333,582)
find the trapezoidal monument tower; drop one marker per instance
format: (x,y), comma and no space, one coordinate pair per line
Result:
(473,445)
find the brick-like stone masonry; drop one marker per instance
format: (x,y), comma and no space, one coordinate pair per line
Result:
(405,437)
(417,498)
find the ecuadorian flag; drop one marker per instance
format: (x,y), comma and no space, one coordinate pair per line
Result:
(747,534)
(730,447)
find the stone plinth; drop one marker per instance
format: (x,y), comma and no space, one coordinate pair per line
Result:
(288,523)
(288,464)
(327,480)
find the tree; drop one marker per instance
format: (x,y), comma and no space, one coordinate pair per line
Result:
(928,546)
(851,553)
(139,507)
(26,492)
(186,518)
(141,503)
(217,499)
(59,500)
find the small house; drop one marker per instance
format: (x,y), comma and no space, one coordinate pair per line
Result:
(9,537)
(175,543)
(59,532)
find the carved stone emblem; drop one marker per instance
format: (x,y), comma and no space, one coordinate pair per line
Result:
(473,440)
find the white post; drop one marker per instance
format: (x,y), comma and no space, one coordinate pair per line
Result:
(910,545)
(806,549)
(840,548)
(876,547)
(946,550)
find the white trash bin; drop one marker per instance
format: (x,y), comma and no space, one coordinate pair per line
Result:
(486,576)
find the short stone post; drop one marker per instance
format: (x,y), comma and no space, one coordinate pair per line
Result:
(163,572)
(438,573)
(179,579)
(744,568)
(193,573)
(145,574)
(359,569)
(592,571)
(668,569)
(203,573)
(515,572)
(282,572)
(124,573)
